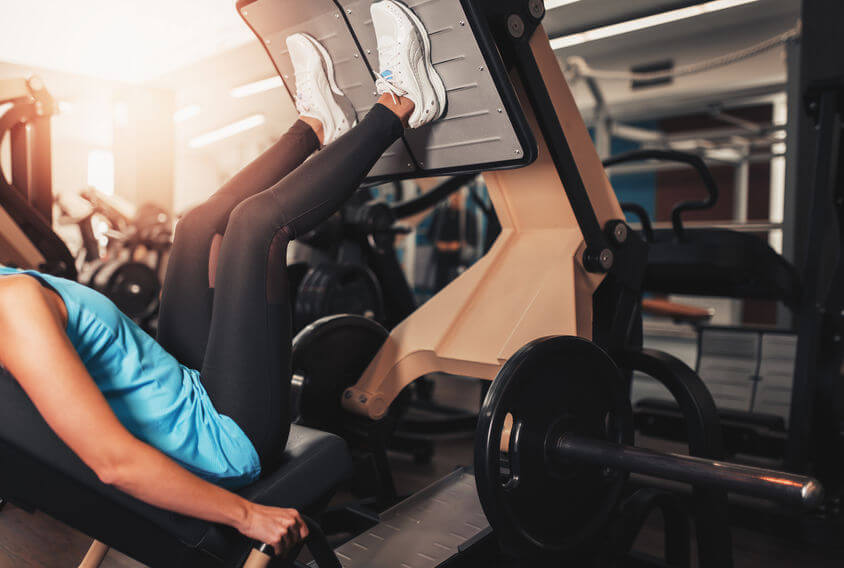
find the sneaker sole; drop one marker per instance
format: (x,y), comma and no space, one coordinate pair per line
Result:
(328,66)
(433,75)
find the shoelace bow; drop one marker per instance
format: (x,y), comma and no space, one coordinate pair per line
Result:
(389,59)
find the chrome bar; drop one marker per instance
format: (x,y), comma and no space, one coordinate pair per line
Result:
(778,486)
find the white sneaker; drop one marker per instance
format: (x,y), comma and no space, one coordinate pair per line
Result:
(317,93)
(404,54)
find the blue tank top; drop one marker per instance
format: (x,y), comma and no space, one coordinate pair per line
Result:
(159,401)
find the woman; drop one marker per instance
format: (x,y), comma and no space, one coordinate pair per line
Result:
(178,422)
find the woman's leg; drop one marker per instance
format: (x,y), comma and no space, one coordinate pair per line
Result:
(187,294)
(246,370)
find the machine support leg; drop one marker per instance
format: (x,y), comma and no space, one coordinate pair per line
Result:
(704,433)
(95,555)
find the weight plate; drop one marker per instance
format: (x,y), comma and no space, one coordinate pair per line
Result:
(551,386)
(330,289)
(132,286)
(328,356)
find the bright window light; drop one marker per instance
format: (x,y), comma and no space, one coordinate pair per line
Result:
(551,4)
(101,171)
(227,131)
(186,113)
(256,87)
(646,22)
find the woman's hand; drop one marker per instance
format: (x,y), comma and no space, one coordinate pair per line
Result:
(280,528)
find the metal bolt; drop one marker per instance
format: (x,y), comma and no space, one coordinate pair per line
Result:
(348,11)
(337,16)
(347,394)
(374,93)
(517,151)
(481,68)
(462,23)
(356,55)
(516,26)
(409,165)
(606,259)
(362,399)
(619,233)
(537,8)
(368,51)
(500,111)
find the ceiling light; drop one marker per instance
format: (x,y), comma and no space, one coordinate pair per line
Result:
(551,4)
(227,131)
(257,87)
(186,113)
(646,22)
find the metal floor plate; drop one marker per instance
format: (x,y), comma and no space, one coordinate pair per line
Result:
(423,531)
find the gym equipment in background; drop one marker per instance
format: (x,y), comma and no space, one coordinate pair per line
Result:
(128,267)
(726,263)
(27,239)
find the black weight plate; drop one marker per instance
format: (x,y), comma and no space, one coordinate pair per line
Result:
(132,286)
(330,289)
(552,385)
(330,355)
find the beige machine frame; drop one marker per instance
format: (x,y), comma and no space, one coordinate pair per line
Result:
(532,282)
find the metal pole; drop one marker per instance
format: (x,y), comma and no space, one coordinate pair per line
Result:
(769,484)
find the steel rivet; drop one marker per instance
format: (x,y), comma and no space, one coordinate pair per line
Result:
(500,111)
(337,16)
(348,11)
(356,55)
(462,23)
(481,68)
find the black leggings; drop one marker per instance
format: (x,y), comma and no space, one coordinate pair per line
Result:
(232,320)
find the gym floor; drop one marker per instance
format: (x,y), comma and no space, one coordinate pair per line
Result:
(37,540)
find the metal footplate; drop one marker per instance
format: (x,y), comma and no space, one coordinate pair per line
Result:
(425,530)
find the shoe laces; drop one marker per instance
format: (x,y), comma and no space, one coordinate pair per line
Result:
(305,86)
(386,82)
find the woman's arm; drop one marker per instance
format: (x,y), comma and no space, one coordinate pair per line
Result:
(32,324)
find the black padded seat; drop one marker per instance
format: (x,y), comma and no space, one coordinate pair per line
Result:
(719,262)
(38,471)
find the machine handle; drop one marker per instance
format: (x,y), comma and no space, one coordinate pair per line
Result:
(782,487)
(262,554)
(694,161)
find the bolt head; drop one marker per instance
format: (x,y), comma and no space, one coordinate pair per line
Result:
(606,259)
(620,232)
(537,9)
(515,26)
